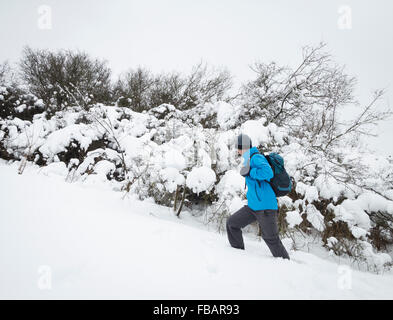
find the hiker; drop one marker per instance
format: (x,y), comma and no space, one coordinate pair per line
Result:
(262,203)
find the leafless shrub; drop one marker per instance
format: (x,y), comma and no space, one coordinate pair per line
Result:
(54,77)
(205,85)
(141,90)
(308,99)
(4,70)
(133,87)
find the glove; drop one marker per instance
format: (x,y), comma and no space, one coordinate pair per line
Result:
(244,171)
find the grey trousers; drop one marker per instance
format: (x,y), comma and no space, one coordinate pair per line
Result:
(267,219)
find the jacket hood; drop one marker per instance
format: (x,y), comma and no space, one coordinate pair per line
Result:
(249,153)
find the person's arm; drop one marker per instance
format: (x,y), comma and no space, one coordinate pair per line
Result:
(261,169)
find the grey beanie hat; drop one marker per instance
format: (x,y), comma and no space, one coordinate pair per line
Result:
(243,141)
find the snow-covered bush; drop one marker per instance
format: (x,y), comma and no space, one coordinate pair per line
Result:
(172,160)
(14,102)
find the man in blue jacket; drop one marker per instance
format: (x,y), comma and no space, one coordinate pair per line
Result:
(262,202)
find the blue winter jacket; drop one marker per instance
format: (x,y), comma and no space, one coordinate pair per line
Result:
(260,196)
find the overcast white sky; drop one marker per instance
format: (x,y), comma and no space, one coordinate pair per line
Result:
(176,34)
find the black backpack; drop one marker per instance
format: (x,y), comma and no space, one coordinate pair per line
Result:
(281,182)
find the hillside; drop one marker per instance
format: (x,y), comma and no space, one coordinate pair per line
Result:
(97,245)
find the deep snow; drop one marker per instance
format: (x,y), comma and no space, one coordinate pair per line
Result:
(98,245)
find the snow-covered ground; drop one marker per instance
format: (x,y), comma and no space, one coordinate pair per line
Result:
(63,240)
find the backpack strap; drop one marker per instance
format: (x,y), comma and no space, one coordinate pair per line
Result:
(271,166)
(268,159)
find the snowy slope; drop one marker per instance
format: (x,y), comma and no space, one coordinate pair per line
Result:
(100,246)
